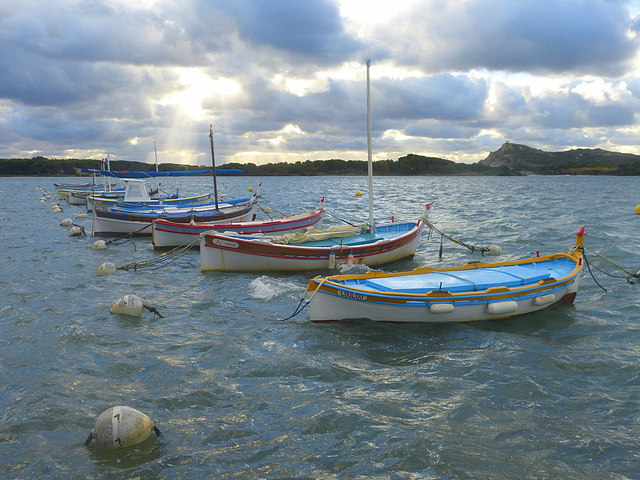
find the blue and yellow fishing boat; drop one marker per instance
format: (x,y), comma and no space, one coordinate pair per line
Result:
(475,291)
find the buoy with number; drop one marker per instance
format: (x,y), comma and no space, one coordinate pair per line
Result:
(120,427)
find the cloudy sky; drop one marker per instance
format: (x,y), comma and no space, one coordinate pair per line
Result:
(284,80)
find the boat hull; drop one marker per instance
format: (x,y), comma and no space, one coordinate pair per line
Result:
(219,252)
(168,234)
(375,296)
(106,223)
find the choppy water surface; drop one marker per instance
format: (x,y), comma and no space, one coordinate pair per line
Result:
(240,392)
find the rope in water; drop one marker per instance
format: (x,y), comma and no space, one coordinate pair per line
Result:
(473,248)
(163,260)
(630,276)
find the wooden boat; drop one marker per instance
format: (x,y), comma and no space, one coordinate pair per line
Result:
(319,250)
(169,234)
(475,291)
(117,221)
(137,195)
(370,245)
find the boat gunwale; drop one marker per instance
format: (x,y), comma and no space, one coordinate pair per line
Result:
(327,286)
(321,252)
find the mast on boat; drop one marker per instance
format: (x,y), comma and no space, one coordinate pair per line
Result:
(371,224)
(155,149)
(213,163)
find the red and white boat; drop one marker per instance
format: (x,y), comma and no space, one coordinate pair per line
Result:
(169,234)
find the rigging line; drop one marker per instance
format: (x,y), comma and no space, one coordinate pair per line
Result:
(341,219)
(634,275)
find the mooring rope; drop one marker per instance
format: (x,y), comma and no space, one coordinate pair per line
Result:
(341,219)
(164,259)
(127,237)
(630,276)
(473,248)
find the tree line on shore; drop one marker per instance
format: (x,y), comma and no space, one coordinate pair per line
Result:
(407,165)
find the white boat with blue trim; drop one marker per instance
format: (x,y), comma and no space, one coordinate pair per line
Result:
(473,292)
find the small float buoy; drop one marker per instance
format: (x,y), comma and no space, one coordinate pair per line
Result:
(358,193)
(75,231)
(495,250)
(128,305)
(638,209)
(106,268)
(67,222)
(82,215)
(99,245)
(267,210)
(57,210)
(250,189)
(120,427)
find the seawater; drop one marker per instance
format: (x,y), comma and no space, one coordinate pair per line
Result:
(240,391)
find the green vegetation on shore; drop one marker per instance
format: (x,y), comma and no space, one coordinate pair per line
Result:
(510,159)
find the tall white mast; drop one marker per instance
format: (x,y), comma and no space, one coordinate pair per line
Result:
(371,224)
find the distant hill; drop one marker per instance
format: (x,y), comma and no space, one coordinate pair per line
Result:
(510,159)
(578,161)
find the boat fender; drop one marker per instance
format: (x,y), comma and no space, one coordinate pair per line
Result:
(501,308)
(350,258)
(495,250)
(120,427)
(67,222)
(99,245)
(637,209)
(75,231)
(128,305)
(332,259)
(106,268)
(544,299)
(82,215)
(441,308)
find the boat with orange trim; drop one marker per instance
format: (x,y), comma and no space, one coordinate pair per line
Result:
(473,292)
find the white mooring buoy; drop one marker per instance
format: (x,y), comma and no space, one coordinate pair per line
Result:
(129,305)
(75,231)
(106,268)
(120,427)
(99,245)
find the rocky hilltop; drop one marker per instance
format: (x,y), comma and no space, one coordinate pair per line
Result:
(524,158)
